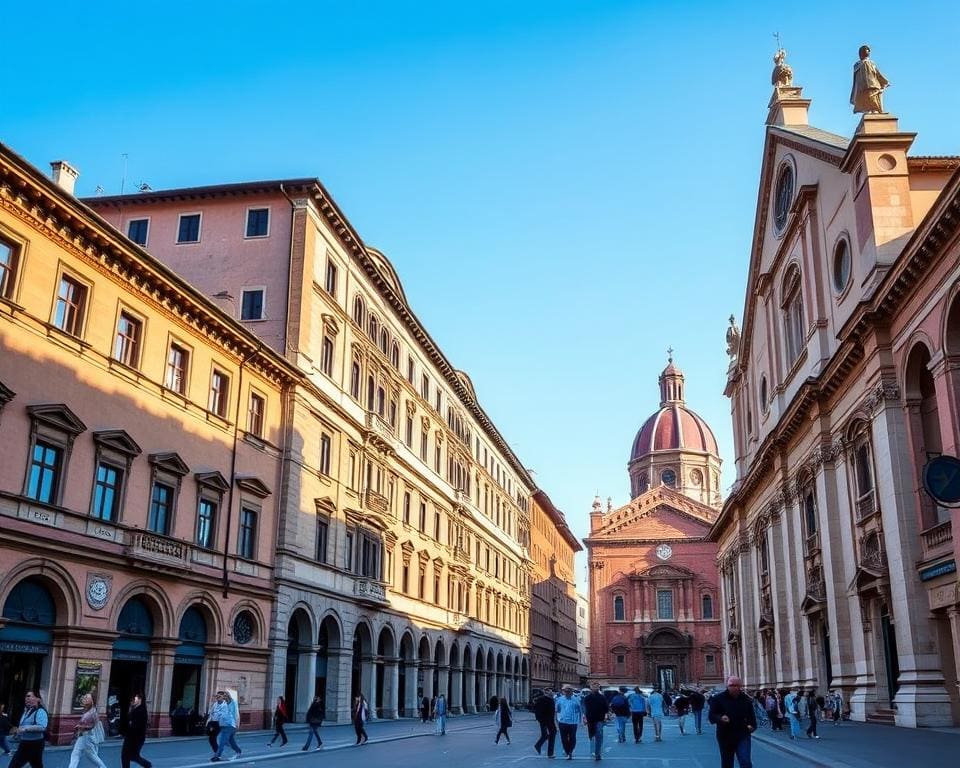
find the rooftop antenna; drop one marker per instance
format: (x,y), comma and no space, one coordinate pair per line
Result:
(98,191)
(123,178)
(779,43)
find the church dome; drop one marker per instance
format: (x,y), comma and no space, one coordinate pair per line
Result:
(674,427)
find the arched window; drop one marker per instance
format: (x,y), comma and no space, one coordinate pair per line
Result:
(619,612)
(764,394)
(395,356)
(706,609)
(355,380)
(371,393)
(384,340)
(783,197)
(841,265)
(865,502)
(924,420)
(358,311)
(792,306)
(373,328)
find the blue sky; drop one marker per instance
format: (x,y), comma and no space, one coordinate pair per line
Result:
(565,188)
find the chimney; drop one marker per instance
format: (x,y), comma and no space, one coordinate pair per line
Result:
(64,175)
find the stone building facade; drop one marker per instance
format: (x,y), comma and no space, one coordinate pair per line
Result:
(403,563)
(140,472)
(652,570)
(839,571)
(553,603)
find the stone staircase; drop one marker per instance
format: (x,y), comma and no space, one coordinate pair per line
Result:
(882,717)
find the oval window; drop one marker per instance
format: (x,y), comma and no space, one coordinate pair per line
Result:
(841,265)
(668,477)
(783,196)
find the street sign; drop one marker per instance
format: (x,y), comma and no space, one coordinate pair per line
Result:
(941,479)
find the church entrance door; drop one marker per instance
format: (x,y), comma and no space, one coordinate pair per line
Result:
(666,677)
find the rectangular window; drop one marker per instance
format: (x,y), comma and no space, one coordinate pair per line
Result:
(256,413)
(252,304)
(246,547)
(406,508)
(206,522)
(369,557)
(323,534)
(664,604)
(219,393)
(325,446)
(436,587)
(437,457)
(710,663)
(9,261)
(188,230)
(71,304)
(348,553)
(161,509)
(258,222)
(137,230)
(126,348)
(410,369)
(326,356)
(330,282)
(439,400)
(423,516)
(405,579)
(106,495)
(423,446)
(177,361)
(45,470)
(436,524)
(408,432)
(425,387)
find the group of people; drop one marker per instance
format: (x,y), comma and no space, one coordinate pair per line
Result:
(799,705)
(434,709)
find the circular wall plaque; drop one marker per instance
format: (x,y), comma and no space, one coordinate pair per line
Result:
(664,551)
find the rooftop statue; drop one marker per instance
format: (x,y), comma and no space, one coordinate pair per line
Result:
(782,76)
(733,340)
(868,84)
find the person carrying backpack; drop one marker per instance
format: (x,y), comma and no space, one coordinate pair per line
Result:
(621,710)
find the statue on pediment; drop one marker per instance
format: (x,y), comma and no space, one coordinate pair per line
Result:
(733,341)
(868,84)
(782,76)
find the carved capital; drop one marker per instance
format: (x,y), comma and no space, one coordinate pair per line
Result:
(883,390)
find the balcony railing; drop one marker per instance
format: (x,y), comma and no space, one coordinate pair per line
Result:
(368,590)
(866,505)
(937,540)
(376,502)
(381,427)
(157,549)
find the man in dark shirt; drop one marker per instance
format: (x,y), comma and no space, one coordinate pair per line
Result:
(595,710)
(136,734)
(732,712)
(697,701)
(545,710)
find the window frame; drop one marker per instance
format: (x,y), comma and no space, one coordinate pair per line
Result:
(321,548)
(331,276)
(146,237)
(184,390)
(10,275)
(166,469)
(96,509)
(56,426)
(246,223)
(256,429)
(218,397)
(842,242)
(55,469)
(150,523)
(706,600)
(180,218)
(792,310)
(81,309)
(262,290)
(326,453)
(140,321)
(619,608)
(247,533)
(660,614)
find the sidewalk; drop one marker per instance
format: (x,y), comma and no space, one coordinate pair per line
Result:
(194,751)
(866,745)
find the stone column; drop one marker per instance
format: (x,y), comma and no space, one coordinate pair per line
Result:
(337,695)
(161,684)
(748,612)
(391,688)
(368,683)
(484,696)
(443,681)
(954,615)
(470,705)
(427,669)
(456,690)
(411,703)
(306,680)
(922,699)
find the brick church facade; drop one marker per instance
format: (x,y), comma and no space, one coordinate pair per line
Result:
(654,593)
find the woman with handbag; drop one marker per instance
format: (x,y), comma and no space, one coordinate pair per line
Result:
(279,718)
(89,735)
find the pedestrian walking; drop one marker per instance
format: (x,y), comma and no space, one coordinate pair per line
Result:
(30,730)
(229,722)
(812,711)
(314,720)
(682,704)
(279,718)
(359,717)
(697,702)
(638,710)
(545,711)
(569,715)
(424,709)
(504,719)
(89,733)
(213,721)
(621,711)
(135,735)
(732,712)
(791,703)
(4,729)
(440,713)
(837,707)
(655,706)
(596,708)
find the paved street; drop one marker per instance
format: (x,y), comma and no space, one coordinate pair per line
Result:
(468,744)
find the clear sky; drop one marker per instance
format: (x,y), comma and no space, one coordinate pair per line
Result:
(565,188)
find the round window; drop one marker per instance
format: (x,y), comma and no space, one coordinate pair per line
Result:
(696,477)
(668,477)
(243,628)
(841,266)
(783,196)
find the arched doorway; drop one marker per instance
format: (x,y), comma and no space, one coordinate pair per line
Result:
(479,687)
(666,654)
(328,666)
(30,615)
(131,657)
(187,670)
(924,417)
(386,702)
(362,672)
(425,675)
(298,688)
(407,681)
(441,672)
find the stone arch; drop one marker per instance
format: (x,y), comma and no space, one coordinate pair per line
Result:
(424,649)
(439,653)
(951,324)
(454,655)
(58,581)
(326,676)
(300,626)
(407,646)
(156,601)
(468,657)
(480,659)
(260,632)
(210,611)
(331,623)
(499,666)
(362,655)
(923,422)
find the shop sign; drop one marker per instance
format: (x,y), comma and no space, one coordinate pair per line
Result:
(9,647)
(85,681)
(940,569)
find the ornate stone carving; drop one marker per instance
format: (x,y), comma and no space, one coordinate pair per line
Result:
(733,341)
(782,76)
(866,95)
(884,389)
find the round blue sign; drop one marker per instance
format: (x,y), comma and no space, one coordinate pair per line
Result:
(941,479)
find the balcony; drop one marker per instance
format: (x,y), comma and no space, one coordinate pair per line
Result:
(937,541)
(866,505)
(382,429)
(152,549)
(375,502)
(370,592)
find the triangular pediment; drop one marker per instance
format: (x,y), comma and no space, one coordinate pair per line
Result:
(254,486)
(864,579)
(57,416)
(6,394)
(117,440)
(660,513)
(667,572)
(169,461)
(213,480)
